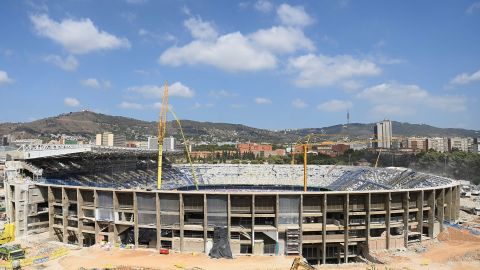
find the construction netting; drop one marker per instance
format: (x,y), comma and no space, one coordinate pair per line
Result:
(217,210)
(104,211)
(146,201)
(289,209)
(169,209)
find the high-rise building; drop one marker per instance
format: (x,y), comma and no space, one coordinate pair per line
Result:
(152,143)
(110,139)
(383,134)
(169,144)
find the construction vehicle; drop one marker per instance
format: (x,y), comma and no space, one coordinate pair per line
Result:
(301,263)
(11,253)
(8,234)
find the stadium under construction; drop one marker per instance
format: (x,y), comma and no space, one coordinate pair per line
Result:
(84,195)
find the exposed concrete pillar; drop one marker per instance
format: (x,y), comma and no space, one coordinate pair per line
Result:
(253,224)
(346,206)
(135,219)
(158,224)
(229,216)
(324,228)
(115,209)
(205,222)
(300,224)
(368,205)
(406,207)
(388,200)
(51,212)
(79,215)
(450,204)
(441,208)
(277,210)
(182,222)
(64,215)
(95,204)
(420,213)
(431,213)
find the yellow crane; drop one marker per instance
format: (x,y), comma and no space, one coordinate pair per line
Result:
(162,127)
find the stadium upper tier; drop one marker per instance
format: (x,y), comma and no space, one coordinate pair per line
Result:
(137,170)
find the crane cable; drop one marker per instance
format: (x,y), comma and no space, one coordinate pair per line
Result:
(186,148)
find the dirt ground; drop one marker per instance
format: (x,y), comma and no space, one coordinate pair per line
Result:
(454,250)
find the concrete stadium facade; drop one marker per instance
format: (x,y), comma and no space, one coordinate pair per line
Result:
(328,227)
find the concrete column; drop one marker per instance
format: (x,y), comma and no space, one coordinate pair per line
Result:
(229,216)
(115,209)
(346,206)
(182,223)
(253,223)
(368,206)
(324,228)
(79,215)
(95,204)
(387,217)
(51,212)
(406,207)
(64,215)
(420,213)
(277,210)
(300,223)
(205,222)
(450,204)
(441,208)
(457,201)
(431,213)
(158,224)
(135,219)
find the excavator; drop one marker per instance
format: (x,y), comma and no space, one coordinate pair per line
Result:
(300,263)
(8,234)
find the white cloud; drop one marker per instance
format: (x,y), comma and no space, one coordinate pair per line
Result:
(68,63)
(4,79)
(335,105)
(222,94)
(473,7)
(231,52)
(282,39)
(293,15)
(71,102)
(299,103)
(155,91)
(97,84)
(143,32)
(393,93)
(77,36)
(261,100)
(321,70)
(200,29)
(390,99)
(263,6)
(466,78)
(131,105)
(91,82)
(235,51)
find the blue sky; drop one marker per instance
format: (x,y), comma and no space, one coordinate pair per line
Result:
(267,64)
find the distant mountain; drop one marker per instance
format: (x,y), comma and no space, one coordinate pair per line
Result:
(87,124)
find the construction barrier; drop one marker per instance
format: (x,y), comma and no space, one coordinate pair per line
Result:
(37,259)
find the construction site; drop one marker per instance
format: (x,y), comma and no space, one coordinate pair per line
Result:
(116,207)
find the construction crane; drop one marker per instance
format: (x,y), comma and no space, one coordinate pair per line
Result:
(162,127)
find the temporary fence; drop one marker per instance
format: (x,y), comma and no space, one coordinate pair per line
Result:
(41,258)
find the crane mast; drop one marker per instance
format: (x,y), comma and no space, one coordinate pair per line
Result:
(162,126)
